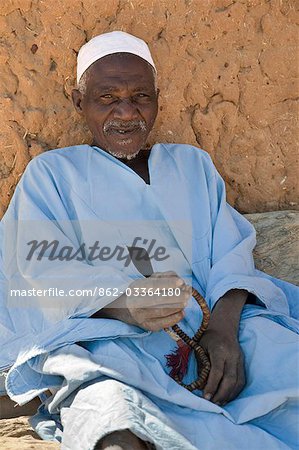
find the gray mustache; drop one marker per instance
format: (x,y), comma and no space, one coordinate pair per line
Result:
(112,124)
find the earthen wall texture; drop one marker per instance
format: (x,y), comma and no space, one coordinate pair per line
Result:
(227,72)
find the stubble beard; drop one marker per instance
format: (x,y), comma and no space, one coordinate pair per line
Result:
(124,142)
(123,155)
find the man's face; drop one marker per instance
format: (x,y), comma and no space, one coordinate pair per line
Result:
(120,104)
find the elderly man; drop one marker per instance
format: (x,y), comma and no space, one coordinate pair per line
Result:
(114,373)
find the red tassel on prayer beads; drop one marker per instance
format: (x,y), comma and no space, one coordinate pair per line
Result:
(178,360)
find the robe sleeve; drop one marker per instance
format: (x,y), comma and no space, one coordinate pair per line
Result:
(38,211)
(232,264)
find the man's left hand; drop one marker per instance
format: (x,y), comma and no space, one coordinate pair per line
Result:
(220,341)
(227,375)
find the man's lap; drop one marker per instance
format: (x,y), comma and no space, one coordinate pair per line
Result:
(106,404)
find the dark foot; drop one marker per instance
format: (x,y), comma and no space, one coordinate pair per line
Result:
(123,440)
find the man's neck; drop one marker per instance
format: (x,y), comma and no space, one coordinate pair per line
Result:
(139,164)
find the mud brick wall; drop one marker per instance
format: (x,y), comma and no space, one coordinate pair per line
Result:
(227,74)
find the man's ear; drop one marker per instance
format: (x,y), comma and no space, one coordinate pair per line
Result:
(77,98)
(158,92)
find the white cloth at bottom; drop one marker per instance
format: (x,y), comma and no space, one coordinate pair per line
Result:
(104,406)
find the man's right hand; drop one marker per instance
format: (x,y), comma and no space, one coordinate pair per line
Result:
(155,308)
(157,311)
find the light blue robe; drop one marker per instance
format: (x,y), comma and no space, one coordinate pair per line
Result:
(77,193)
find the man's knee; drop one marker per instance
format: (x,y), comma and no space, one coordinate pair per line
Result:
(122,440)
(113,388)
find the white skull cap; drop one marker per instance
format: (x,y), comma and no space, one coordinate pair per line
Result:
(109,43)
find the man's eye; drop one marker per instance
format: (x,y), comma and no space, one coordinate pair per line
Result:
(141,96)
(107,99)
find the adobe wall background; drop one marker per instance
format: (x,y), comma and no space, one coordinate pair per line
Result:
(227,74)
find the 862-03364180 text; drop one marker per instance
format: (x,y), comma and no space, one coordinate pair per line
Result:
(96,291)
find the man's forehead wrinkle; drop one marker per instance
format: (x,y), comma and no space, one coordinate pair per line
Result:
(117,74)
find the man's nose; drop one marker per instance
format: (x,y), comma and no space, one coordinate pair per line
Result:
(125,110)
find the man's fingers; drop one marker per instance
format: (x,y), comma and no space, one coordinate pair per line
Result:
(227,375)
(158,283)
(232,383)
(239,386)
(162,298)
(152,303)
(165,322)
(158,301)
(226,387)
(171,278)
(214,379)
(159,313)
(240,383)
(169,273)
